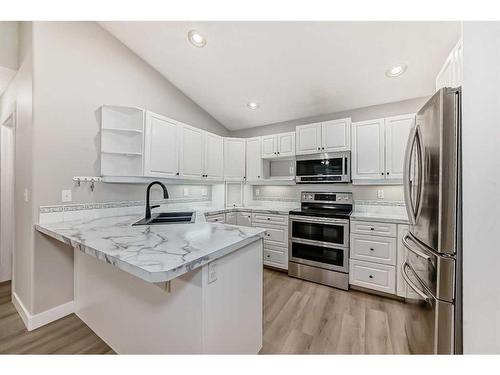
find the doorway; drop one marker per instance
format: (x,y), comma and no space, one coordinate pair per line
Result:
(7,155)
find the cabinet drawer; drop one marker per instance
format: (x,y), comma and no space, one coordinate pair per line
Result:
(376,249)
(276,235)
(372,227)
(275,258)
(221,218)
(270,219)
(372,276)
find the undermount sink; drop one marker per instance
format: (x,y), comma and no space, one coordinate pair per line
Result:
(168,218)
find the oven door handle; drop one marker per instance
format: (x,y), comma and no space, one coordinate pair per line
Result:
(424,296)
(302,219)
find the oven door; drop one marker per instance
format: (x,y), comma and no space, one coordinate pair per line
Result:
(313,254)
(326,232)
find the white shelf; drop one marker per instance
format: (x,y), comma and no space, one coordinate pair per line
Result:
(135,131)
(122,153)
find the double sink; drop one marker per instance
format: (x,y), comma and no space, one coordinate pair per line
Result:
(168,218)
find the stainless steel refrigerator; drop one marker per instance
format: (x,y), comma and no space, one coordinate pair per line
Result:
(433,266)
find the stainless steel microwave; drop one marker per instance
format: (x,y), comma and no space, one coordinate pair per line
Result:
(324,168)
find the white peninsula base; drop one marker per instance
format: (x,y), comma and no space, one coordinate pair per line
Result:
(216,308)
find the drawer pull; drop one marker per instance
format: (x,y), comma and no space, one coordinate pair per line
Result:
(372,228)
(268,218)
(268,256)
(371,249)
(371,276)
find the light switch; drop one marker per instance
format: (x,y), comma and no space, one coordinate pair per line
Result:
(380,194)
(66,196)
(26,195)
(257,191)
(212,272)
(186,192)
(204,191)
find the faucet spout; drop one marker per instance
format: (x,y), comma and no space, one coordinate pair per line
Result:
(148,205)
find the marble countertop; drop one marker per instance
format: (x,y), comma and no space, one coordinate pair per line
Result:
(278,210)
(382,217)
(155,253)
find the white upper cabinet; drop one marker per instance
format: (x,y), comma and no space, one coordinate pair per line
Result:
(328,136)
(214,157)
(451,73)
(308,139)
(397,130)
(336,135)
(234,159)
(191,160)
(285,144)
(378,149)
(254,160)
(368,150)
(161,146)
(268,146)
(278,145)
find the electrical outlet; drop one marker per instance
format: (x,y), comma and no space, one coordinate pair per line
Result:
(257,191)
(66,196)
(212,272)
(204,191)
(186,192)
(380,194)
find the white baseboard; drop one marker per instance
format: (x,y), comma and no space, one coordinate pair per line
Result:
(38,320)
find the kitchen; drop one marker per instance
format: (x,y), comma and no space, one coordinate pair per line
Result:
(256,223)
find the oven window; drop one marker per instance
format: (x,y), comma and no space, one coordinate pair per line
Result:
(320,254)
(318,232)
(319,167)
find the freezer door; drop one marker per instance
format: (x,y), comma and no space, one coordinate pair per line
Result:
(431,169)
(429,321)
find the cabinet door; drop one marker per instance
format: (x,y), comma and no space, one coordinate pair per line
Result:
(397,130)
(368,150)
(269,146)
(234,159)
(231,218)
(214,161)
(161,146)
(286,144)
(244,219)
(191,161)
(254,160)
(308,139)
(336,135)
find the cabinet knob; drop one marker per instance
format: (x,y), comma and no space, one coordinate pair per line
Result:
(372,228)
(268,218)
(319,148)
(258,176)
(278,152)
(382,173)
(322,148)
(371,276)
(387,173)
(268,256)
(177,174)
(371,248)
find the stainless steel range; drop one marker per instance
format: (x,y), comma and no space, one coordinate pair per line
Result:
(319,238)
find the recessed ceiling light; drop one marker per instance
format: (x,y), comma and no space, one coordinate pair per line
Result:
(396,70)
(252,105)
(196,39)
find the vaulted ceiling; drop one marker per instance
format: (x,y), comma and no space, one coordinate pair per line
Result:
(291,69)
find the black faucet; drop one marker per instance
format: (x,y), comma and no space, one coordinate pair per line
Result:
(148,207)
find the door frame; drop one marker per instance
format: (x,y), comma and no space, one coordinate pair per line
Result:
(7,186)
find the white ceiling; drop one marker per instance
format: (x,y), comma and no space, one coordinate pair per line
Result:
(292,69)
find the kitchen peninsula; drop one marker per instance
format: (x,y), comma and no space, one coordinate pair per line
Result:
(182,288)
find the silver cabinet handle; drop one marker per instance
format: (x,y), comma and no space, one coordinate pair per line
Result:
(424,296)
(407,237)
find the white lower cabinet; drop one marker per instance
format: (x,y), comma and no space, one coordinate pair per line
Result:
(376,255)
(275,238)
(231,218)
(244,219)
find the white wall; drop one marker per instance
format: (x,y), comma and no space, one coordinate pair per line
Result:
(18,97)
(481,187)
(8,44)
(358,114)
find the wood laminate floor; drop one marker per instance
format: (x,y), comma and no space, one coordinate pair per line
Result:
(68,335)
(299,317)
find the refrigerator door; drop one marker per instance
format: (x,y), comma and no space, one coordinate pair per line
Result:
(431,169)
(429,321)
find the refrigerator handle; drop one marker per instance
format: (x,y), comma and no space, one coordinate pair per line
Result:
(406,173)
(407,237)
(422,295)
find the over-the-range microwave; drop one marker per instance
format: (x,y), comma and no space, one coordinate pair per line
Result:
(324,168)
